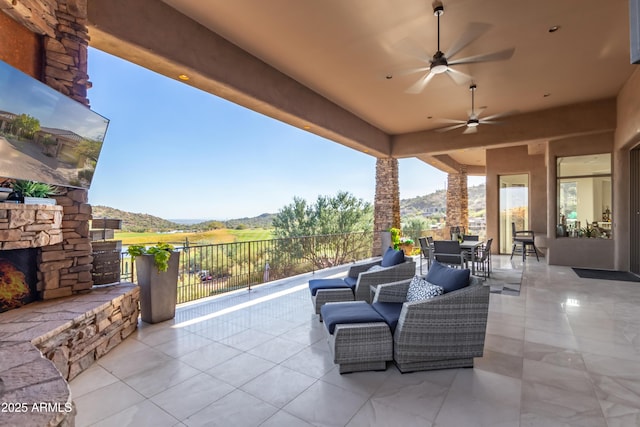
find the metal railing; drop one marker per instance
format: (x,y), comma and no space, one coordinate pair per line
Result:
(207,270)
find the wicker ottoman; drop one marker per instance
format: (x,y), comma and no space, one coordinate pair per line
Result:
(328,290)
(358,336)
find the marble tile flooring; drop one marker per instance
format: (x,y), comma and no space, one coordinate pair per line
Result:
(565,352)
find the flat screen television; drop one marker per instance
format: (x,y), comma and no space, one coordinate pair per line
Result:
(46,136)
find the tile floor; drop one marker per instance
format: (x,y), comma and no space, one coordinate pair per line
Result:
(565,352)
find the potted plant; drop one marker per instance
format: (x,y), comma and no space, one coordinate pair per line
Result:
(395,237)
(406,244)
(33,192)
(157,271)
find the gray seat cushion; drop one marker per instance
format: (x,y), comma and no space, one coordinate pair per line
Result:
(348,312)
(316,284)
(390,311)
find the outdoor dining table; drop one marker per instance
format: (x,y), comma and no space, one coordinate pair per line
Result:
(472,246)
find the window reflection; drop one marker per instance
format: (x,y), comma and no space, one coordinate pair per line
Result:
(584,196)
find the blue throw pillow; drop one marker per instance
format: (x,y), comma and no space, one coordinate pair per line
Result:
(449,279)
(386,257)
(392,257)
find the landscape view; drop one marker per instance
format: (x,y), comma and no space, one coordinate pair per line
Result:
(218,256)
(423,213)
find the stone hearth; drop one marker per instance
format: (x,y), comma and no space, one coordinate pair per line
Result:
(46,343)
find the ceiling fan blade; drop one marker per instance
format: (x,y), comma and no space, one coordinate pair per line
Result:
(448,128)
(458,77)
(499,115)
(452,121)
(411,71)
(476,113)
(473,31)
(495,56)
(470,129)
(489,122)
(422,82)
(409,47)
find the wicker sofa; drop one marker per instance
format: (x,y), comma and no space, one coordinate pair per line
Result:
(357,285)
(447,331)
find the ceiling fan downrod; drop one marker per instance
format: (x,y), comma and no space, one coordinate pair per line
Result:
(439,63)
(473,120)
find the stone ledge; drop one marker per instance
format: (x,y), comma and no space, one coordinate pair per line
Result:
(29,226)
(45,343)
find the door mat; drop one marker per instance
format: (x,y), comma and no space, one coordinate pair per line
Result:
(624,276)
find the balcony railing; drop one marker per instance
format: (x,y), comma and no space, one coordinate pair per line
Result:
(207,270)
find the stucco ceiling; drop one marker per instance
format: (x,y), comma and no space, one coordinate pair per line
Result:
(345,50)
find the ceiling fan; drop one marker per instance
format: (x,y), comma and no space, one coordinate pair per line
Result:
(441,63)
(474,120)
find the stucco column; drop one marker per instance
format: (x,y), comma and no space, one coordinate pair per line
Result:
(457,200)
(386,207)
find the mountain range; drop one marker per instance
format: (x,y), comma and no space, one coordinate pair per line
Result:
(416,206)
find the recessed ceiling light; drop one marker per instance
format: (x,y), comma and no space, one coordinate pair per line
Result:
(183,77)
(546,95)
(554,28)
(388,76)
(306,127)
(429,117)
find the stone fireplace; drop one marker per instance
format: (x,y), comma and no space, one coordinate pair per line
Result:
(59,235)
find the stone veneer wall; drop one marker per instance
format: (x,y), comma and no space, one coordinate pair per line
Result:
(65,268)
(457,200)
(86,338)
(63,26)
(29,226)
(386,208)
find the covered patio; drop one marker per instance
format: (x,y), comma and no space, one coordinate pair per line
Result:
(563,352)
(566,351)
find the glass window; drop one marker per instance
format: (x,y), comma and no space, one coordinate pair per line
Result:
(514,207)
(584,196)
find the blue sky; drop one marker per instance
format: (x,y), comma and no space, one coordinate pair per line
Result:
(180,153)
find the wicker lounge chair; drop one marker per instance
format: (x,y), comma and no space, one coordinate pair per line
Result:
(364,280)
(447,331)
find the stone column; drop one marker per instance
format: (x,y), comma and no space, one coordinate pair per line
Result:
(457,201)
(386,208)
(66,53)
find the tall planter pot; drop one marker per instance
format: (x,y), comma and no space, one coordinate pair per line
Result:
(158,289)
(385,241)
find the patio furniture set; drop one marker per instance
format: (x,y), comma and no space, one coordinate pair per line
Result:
(455,253)
(420,323)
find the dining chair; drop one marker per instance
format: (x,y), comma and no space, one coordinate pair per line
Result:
(448,252)
(483,259)
(472,238)
(524,238)
(455,232)
(425,252)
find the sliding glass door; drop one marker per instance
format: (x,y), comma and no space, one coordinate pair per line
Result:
(514,207)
